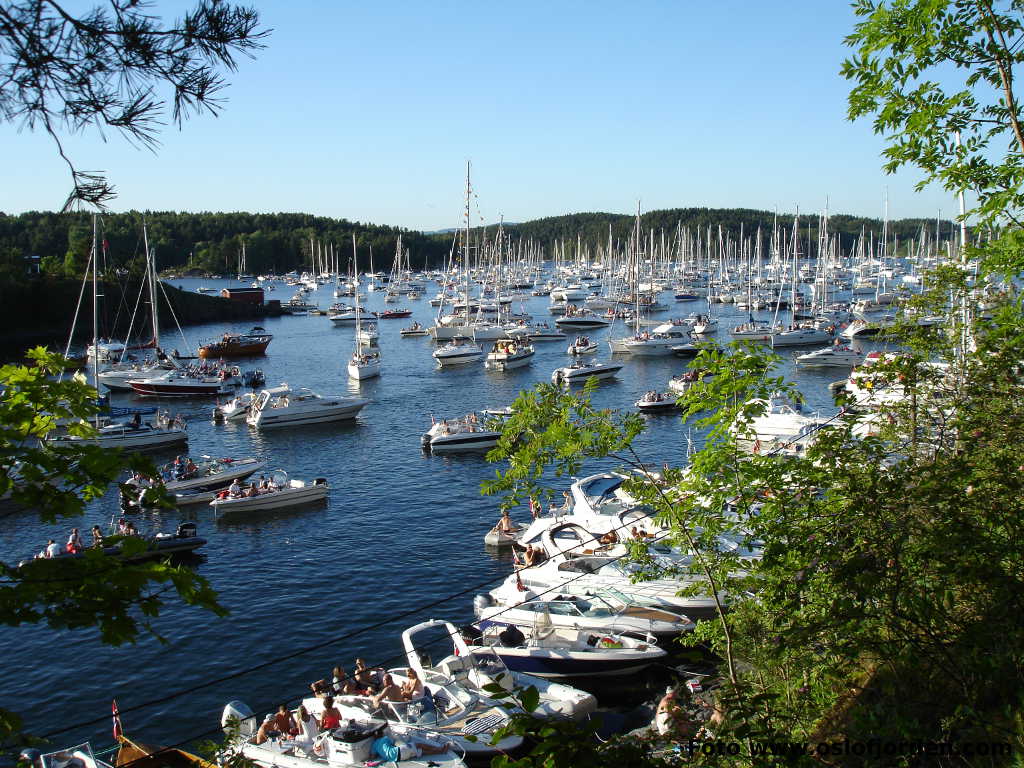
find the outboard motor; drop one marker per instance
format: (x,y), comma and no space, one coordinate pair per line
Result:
(480,602)
(187,531)
(31,755)
(238,710)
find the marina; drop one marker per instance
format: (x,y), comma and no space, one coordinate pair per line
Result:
(363,444)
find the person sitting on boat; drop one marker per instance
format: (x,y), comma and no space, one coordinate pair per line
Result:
(331,717)
(367,678)
(235,490)
(341,683)
(130,530)
(253,491)
(268,730)
(97,537)
(136,420)
(74,544)
(264,484)
(51,550)
(610,538)
(388,692)
(530,556)
(283,721)
(306,727)
(505,524)
(412,689)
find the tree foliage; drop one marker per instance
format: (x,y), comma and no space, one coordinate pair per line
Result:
(937,77)
(104,68)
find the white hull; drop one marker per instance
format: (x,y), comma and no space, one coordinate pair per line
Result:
(360,371)
(569,375)
(134,439)
(286,497)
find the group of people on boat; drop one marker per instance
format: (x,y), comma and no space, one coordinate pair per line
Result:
(653,396)
(75,545)
(256,488)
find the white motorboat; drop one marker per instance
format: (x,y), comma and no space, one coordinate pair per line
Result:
(284,407)
(474,669)
(545,650)
(458,435)
(783,419)
(582,346)
(280,492)
(580,320)
(182,384)
(579,372)
(685,380)
(655,343)
(508,354)
(341,314)
(183,475)
(236,409)
(445,713)
(459,351)
(595,613)
(656,402)
(135,435)
(349,746)
(831,357)
(414,330)
(863,327)
(543,332)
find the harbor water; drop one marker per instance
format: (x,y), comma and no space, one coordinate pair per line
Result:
(399,540)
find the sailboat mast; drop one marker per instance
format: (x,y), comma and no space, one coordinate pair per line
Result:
(95,312)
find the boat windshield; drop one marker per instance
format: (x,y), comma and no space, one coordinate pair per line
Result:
(79,756)
(488,662)
(422,711)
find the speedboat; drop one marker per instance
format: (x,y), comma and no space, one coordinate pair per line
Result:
(582,346)
(595,613)
(454,435)
(545,650)
(544,333)
(655,402)
(781,420)
(577,319)
(350,746)
(685,380)
(280,492)
(703,324)
(506,355)
(458,351)
(342,314)
(579,372)
(445,713)
(208,474)
(474,669)
(284,407)
(182,384)
(414,330)
(254,342)
(184,540)
(135,435)
(656,343)
(831,357)
(393,314)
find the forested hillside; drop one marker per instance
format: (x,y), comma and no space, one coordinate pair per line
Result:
(279,242)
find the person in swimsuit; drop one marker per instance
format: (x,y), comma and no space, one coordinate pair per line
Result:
(331,718)
(412,689)
(389,692)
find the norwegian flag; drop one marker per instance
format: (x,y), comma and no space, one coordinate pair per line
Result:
(117,720)
(519,583)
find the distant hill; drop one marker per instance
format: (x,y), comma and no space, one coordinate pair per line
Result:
(279,242)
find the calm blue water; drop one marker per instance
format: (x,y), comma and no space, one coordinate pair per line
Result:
(401,529)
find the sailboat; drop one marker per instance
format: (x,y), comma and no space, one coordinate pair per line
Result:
(137,435)
(365,361)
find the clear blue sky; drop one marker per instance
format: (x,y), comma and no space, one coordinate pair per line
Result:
(369,111)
